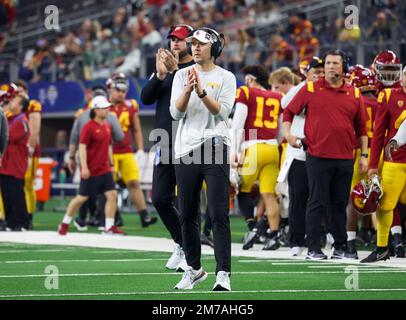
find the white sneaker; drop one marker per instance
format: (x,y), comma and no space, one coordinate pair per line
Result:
(222,282)
(177,259)
(190,278)
(295,251)
(79,227)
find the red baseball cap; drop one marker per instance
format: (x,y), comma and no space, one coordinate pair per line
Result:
(180,32)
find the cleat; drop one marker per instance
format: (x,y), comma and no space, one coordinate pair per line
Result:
(272,243)
(63,229)
(398,249)
(314,255)
(222,282)
(351,252)
(190,278)
(148,221)
(379,254)
(296,251)
(250,238)
(338,254)
(80,225)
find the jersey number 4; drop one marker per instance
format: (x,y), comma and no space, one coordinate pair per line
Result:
(273,106)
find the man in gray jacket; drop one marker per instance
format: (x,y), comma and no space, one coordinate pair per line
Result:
(117,134)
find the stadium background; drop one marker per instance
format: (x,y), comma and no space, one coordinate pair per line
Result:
(61,67)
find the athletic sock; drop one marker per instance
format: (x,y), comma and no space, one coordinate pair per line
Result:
(109,223)
(351,235)
(67,219)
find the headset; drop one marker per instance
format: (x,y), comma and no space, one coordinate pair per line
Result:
(343,55)
(219,41)
(190,29)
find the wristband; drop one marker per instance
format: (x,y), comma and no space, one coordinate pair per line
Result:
(365,155)
(204,93)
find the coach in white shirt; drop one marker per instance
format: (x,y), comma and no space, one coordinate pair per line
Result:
(202,97)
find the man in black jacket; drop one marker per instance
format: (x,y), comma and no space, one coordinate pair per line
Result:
(158,89)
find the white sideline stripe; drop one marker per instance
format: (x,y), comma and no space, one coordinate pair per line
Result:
(161,245)
(361,266)
(197,292)
(82,260)
(178,273)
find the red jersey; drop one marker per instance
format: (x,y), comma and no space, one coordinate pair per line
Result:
(371,105)
(125,114)
(97,138)
(335,117)
(15,157)
(264,108)
(35,106)
(382,87)
(389,116)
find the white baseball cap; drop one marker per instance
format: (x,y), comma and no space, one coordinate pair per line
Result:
(202,36)
(99,102)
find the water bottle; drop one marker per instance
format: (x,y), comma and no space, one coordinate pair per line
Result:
(62,176)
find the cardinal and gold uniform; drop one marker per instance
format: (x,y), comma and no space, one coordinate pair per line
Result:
(123,156)
(260,147)
(390,114)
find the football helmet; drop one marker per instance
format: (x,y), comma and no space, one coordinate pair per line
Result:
(364,79)
(118,81)
(8,92)
(366,195)
(387,68)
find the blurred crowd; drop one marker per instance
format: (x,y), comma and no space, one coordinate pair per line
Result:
(127,42)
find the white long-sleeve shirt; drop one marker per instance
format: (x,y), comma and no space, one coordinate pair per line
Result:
(197,124)
(298,123)
(400,136)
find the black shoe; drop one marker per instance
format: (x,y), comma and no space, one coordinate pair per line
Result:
(316,255)
(206,240)
(379,254)
(92,222)
(250,238)
(30,226)
(338,253)
(80,224)
(148,221)
(351,252)
(2,225)
(119,222)
(399,250)
(272,243)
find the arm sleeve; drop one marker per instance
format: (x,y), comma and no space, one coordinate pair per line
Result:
(151,92)
(400,136)
(74,134)
(116,131)
(4,133)
(286,99)
(85,135)
(240,116)
(227,96)
(177,88)
(360,120)
(381,124)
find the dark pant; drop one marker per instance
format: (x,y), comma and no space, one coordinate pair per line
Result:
(163,198)
(329,186)
(12,191)
(298,195)
(89,206)
(189,178)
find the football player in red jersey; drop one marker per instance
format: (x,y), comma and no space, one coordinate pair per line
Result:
(123,157)
(365,80)
(390,114)
(34,120)
(388,70)
(257,112)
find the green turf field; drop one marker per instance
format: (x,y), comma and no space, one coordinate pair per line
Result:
(92,273)
(100,273)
